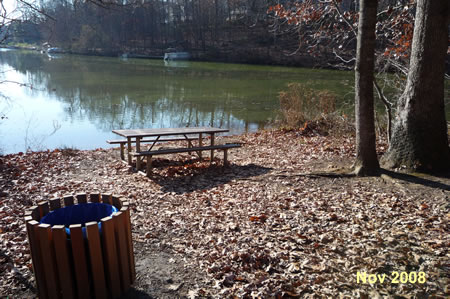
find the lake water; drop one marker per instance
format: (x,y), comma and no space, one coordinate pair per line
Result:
(75,101)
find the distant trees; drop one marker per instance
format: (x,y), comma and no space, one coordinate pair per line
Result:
(145,25)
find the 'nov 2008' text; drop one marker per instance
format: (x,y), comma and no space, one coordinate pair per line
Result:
(396,277)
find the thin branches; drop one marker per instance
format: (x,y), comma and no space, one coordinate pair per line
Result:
(388,106)
(36,9)
(338,10)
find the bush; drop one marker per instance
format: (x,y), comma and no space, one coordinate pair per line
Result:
(311,110)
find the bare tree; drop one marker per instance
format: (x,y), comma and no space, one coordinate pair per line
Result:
(419,140)
(366,157)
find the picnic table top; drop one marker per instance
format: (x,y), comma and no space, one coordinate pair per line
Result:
(128,133)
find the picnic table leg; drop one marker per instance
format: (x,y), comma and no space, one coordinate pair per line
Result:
(200,142)
(129,150)
(189,145)
(138,149)
(225,157)
(149,165)
(212,151)
(122,151)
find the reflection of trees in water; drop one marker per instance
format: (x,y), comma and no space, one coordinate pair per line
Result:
(116,95)
(23,62)
(128,113)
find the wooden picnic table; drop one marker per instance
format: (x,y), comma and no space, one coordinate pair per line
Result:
(135,136)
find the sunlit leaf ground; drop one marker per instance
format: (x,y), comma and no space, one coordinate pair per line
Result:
(284,220)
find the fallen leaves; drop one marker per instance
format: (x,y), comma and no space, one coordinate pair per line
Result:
(262,218)
(260,228)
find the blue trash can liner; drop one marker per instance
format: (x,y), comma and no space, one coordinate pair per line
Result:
(79,214)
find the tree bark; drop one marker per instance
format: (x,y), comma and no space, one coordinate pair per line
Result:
(366,157)
(419,141)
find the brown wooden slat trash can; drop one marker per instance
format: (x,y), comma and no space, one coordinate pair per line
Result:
(90,261)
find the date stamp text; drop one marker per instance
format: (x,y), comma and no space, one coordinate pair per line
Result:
(395,277)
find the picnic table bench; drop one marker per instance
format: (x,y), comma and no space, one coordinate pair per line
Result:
(123,142)
(150,154)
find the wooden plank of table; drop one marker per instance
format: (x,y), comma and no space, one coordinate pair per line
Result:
(154,142)
(122,150)
(149,165)
(184,150)
(225,157)
(212,151)
(200,144)
(138,149)
(167,131)
(129,149)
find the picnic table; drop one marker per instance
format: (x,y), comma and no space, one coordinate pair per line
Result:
(153,136)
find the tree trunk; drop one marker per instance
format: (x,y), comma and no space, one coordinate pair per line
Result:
(419,141)
(366,157)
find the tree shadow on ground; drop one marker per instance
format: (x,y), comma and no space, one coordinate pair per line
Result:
(182,180)
(133,293)
(416,179)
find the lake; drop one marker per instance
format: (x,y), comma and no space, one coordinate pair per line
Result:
(75,101)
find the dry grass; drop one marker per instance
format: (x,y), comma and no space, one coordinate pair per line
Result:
(312,111)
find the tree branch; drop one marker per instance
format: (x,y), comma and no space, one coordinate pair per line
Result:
(341,58)
(336,6)
(38,10)
(387,105)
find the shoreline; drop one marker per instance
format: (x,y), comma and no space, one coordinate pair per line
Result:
(201,56)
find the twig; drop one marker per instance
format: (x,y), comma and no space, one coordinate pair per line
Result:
(336,6)
(18,83)
(40,11)
(400,67)
(341,58)
(387,10)
(388,106)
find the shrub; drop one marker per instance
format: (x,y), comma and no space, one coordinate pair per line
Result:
(311,110)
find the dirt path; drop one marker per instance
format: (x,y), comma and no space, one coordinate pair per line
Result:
(283,220)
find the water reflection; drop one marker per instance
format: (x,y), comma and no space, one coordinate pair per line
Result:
(89,96)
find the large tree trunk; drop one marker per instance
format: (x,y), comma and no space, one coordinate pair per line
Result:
(366,157)
(419,140)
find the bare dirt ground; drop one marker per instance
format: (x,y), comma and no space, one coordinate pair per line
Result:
(283,220)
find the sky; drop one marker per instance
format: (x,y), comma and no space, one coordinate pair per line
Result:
(9,5)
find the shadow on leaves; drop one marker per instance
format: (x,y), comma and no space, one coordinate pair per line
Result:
(417,179)
(133,293)
(194,177)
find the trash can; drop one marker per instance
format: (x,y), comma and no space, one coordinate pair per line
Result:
(81,246)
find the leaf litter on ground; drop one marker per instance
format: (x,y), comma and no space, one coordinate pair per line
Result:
(284,220)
